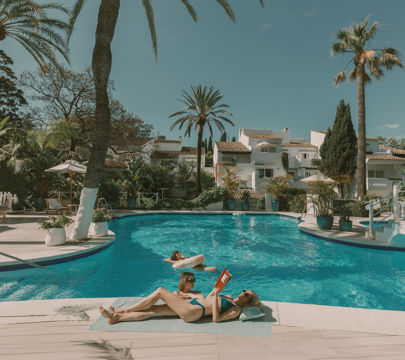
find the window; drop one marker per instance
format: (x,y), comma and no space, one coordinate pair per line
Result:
(229,159)
(304,156)
(268,149)
(265,173)
(376,174)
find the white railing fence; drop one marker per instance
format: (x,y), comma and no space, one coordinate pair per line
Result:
(7,199)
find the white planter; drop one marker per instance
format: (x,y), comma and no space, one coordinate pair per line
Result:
(55,236)
(98,229)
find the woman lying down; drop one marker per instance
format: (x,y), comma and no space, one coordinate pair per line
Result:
(222,308)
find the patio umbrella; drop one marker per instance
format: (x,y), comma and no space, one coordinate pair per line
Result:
(319,177)
(264,145)
(69,166)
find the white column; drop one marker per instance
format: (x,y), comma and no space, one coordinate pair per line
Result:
(395,192)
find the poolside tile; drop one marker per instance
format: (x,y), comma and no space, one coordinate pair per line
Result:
(317,316)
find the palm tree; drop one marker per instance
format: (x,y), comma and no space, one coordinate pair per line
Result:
(101,66)
(203,108)
(353,41)
(28,23)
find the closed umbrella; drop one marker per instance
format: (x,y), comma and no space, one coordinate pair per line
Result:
(69,166)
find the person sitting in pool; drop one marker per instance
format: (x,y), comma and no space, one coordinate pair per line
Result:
(185,286)
(220,307)
(177,256)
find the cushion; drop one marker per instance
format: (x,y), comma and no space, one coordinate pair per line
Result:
(250,313)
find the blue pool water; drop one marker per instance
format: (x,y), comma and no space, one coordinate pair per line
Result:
(265,253)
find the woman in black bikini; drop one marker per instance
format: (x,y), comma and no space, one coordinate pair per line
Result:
(220,307)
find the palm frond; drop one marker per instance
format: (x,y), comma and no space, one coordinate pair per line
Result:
(339,78)
(78,310)
(151,23)
(227,9)
(190,10)
(389,58)
(352,75)
(109,351)
(77,8)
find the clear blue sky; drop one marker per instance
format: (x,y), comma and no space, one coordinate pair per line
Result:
(273,65)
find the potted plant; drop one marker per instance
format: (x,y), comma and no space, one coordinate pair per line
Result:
(245,200)
(99,225)
(276,186)
(322,203)
(231,184)
(344,211)
(55,229)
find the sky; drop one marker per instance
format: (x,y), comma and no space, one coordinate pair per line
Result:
(273,65)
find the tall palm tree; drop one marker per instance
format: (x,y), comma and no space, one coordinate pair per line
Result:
(202,108)
(352,41)
(28,23)
(101,66)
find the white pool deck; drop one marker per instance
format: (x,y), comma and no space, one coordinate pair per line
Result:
(35,329)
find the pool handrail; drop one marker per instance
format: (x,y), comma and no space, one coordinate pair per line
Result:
(24,261)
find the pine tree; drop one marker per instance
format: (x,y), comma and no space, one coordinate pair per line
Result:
(223,137)
(205,146)
(339,148)
(233,139)
(210,144)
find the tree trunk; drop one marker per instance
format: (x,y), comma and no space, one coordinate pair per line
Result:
(199,144)
(361,138)
(101,65)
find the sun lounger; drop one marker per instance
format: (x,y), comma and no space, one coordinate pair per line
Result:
(54,205)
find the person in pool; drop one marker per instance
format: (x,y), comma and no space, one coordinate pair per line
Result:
(220,307)
(177,256)
(185,286)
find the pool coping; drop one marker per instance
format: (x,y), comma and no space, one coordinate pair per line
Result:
(308,316)
(59,254)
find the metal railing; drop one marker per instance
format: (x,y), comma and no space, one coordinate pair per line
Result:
(24,261)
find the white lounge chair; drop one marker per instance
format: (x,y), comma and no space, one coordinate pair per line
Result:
(55,206)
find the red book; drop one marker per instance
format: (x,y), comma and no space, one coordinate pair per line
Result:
(223,280)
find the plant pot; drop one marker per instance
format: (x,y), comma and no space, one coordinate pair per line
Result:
(98,228)
(39,203)
(55,236)
(131,203)
(324,222)
(275,204)
(245,206)
(231,204)
(345,225)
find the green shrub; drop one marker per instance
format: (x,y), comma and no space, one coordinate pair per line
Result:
(297,203)
(204,199)
(260,203)
(101,215)
(112,191)
(59,221)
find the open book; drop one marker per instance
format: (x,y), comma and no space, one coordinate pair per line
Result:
(223,280)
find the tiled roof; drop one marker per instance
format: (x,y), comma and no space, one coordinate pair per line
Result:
(133,142)
(232,147)
(393,150)
(263,136)
(185,150)
(168,141)
(253,194)
(114,164)
(306,144)
(324,132)
(384,157)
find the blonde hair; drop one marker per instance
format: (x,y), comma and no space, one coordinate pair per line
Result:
(183,279)
(255,300)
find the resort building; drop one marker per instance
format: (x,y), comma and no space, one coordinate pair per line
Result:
(158,151)
(383,164)
(260,154)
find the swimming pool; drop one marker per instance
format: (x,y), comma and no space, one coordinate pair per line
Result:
(267,253)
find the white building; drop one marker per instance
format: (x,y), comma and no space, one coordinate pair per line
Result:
(383,164)
(258,156)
